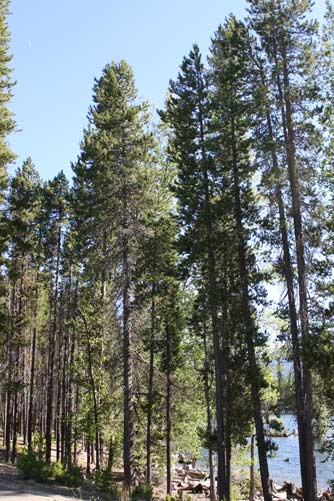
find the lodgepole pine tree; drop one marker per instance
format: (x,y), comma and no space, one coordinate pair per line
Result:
(7,125)
(54,216)
(156,246)
(187,115)
(288,42)
(23,255)
(231,70)
(171,329)
(111,190)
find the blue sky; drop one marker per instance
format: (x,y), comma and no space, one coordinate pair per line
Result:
(59,46)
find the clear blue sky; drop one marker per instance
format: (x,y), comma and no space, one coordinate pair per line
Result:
(59,46)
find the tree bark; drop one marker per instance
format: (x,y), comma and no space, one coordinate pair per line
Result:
(252,470)
(128,455)
(150,386)
(10,374)
(168,410)
(32,370)
(51,356)
(14,438)
(208,416)
(94,395)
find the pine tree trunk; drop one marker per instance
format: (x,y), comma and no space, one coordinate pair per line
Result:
(213,298)
(70,409)
(150,388)
(32,371)
(226,356)
(70,403)
(228,441)
(168,411)
(10,374)
(8,420)
(310,473)
(88,456)
(128,454)
(57,414)
(14,437)
(110,456)
(94,395)
(51,357)
(288,272)
(249,324)
(208,417)
(18,316)
(252,470)
(63,415)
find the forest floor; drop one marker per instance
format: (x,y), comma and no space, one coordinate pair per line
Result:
(13,487)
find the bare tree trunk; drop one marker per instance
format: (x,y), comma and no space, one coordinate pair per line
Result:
(252,470)
(32,371)
(58,400)
(88,456)
(93,387)
(8,422)
(168,410)
(9,407)
(75,447)
(110,455)
(14,438)
(70,403)
(209,417)
(150,387)
(51,356)
(226,380)
(228,441)
(128,454)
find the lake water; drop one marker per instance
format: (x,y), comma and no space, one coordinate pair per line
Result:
(281,470)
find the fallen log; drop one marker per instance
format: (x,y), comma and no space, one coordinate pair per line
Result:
(197,474)
(293,492)
(326,496)
(286,491)
(279,496)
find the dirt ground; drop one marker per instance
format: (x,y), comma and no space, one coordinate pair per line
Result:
(13,487)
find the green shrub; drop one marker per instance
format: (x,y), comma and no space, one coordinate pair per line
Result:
(33,466)
(71,478)
(142,492)
(114,493)
(103,479)
(58,470)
